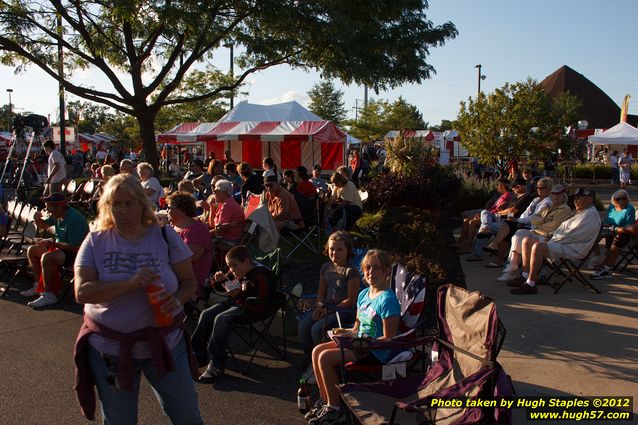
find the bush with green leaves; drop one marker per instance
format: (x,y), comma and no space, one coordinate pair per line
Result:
(431,188)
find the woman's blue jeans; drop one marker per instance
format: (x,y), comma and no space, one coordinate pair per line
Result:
(311,332)
(175,390)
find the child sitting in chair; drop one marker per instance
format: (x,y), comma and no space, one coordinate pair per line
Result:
(246,279)
(378,316)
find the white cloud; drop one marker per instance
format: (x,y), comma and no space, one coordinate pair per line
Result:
(289,96)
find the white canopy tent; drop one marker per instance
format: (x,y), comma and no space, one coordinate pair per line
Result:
(620,134)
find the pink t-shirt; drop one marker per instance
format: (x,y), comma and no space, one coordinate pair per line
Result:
(198,234)
(503,199)
(115,258)
(230,212)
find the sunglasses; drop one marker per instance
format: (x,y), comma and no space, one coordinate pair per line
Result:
(621,199)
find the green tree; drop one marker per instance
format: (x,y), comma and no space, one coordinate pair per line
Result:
(445,125)
(88,116)
(381,116)
(146,48)
(515,121)
(6,120)
(327,102)
(195,84)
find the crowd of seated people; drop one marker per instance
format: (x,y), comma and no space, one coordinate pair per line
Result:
(572,240)
(492,222)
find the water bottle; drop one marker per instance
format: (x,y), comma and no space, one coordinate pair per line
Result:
(303,396)
(156,297)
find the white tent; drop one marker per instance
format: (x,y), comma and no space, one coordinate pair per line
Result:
(620,134)
(289,111)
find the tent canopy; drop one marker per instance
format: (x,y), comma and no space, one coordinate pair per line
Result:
(287,132)
(289,111)
(620,134)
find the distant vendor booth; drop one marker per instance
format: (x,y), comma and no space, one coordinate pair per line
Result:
(289,143)
(87,141)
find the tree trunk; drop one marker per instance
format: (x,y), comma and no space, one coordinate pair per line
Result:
(146,121)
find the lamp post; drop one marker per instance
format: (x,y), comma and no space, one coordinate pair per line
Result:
(480,77)
(9,115)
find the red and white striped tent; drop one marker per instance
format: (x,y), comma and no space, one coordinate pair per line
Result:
(86,140)
(289,142)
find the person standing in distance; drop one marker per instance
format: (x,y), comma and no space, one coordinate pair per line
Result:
(56,169)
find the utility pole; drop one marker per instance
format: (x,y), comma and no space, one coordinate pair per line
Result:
(231,47)
(61,88)
(365,95)
(357,108)
(9,124)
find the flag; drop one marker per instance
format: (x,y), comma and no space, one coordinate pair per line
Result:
(625,107)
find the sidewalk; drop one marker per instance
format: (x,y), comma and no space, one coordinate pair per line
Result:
(575,342)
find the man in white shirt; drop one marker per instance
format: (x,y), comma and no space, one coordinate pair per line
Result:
(613,162)
(56,169)
(100,156)
(573,239)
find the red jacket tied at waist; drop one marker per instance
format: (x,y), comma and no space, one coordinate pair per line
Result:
(161,359)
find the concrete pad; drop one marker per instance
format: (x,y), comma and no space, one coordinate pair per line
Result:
(575,342)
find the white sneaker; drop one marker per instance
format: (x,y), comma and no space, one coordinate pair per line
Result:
(507,276)
(46,299)
(29,292)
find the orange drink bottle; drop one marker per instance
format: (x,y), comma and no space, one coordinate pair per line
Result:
(156,295)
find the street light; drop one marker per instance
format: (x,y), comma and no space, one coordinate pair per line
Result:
(480,77)
(9,115)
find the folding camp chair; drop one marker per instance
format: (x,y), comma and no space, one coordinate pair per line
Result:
(470,338)
(257,328)
(310,235)
(569,269)
(628,255)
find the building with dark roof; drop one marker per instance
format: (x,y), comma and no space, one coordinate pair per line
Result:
(597,108)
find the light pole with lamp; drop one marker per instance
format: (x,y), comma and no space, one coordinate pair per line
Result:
(231,47)
(480,77)
(9,126)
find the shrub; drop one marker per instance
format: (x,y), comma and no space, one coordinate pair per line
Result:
(433,187)
(474,193)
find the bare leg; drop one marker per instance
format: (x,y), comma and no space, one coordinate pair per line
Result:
(49,259)
(471,234)
(500,236)
(316,352)
(539,252)
(329,360)
(526,253)
(34,255)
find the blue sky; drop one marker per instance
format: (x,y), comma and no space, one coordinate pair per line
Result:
(512,40)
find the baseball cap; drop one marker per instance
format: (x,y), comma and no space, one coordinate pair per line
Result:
(582,191)
(558,188)
(54,198)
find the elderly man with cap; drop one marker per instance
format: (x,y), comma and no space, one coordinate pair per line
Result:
(282,206)
(227,221)
(572,239)
(48,254)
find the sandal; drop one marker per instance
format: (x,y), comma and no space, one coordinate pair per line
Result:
(211,375)
(493,266)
